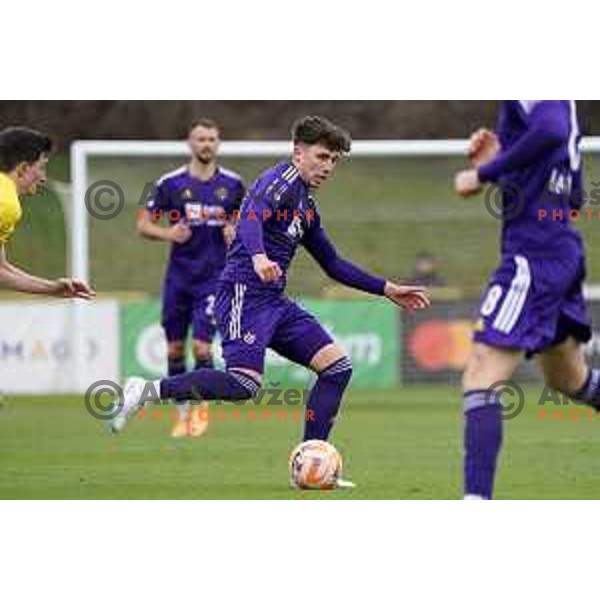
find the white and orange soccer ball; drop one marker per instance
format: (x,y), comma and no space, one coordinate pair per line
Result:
(315,465)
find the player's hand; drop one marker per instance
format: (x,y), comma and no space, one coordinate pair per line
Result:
(409,297)
(483,147)
(180,233)
(229,233)
(466,183)
(68,287)
(266,269)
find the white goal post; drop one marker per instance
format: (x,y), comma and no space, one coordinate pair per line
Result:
(81,151)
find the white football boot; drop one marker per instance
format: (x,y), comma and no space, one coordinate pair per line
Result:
(344,484)
(132,395)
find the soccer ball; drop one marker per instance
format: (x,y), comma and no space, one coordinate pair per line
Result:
(315,465)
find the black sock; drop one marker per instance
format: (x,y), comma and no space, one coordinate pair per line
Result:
(176,366)
(204,363)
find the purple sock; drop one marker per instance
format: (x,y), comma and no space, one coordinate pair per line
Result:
(325,399)
(590,392)
(482,439)
(209,384)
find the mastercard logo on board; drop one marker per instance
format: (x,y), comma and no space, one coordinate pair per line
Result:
(441,345)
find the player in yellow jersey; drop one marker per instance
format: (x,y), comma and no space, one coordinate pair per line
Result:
(24,155)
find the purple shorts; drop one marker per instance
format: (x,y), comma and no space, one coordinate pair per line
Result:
(250,321)
(533,304)
(184,305)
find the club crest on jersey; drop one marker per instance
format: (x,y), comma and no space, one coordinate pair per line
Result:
(295,230)
(249,338)
(187,194)
(221,193)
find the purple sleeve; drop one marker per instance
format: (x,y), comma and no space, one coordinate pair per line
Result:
(234,200)
(250,228)
(158,198)
(238,196)
(548,127)
(323,251)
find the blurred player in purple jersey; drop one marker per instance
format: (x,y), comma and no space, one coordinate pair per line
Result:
(198,201)
(278,216)
(534,303)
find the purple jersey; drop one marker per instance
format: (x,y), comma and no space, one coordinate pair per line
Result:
(534,300)
(204,206)
(540,159)
(278,215)
(280,200)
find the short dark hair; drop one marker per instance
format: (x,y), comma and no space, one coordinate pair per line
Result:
(319,130)
(206,123)
(21,145)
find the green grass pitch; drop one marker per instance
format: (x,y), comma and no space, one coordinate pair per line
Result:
(397,444)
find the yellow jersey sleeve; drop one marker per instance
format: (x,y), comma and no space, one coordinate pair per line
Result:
(10,208)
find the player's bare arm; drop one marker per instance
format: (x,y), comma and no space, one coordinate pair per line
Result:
(16,279)
(179,233)
(408,297)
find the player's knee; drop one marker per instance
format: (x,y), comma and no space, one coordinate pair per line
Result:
(474,368)
(487,365)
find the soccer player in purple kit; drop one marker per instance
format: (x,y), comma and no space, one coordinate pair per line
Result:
(197,200)
(278,215)
(534,303)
